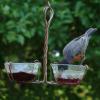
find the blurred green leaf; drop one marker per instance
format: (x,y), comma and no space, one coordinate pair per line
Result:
(11,36)
(20,39)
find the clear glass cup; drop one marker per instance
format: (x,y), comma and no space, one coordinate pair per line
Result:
(68,74)
(23,72)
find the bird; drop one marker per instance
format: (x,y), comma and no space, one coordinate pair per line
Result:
(75,50)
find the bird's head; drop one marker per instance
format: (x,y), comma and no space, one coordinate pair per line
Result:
(78,57)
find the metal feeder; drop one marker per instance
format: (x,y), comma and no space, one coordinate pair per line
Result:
(23,72)
(29,72)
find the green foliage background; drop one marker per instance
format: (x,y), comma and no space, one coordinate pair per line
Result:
(22,36)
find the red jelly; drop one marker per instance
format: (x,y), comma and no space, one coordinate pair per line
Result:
(22,77)
(68,81)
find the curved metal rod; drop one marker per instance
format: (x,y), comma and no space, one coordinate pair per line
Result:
(48,9)
(48,12)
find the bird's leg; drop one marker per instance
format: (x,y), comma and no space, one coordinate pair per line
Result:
(83,60)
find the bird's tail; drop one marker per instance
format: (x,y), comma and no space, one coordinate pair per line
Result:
(90,31)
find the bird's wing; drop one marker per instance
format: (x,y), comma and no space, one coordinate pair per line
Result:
(76,46)
(72,44)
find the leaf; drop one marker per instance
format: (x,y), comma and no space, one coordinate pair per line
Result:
(79,7)
(6,9)
(28,33)
(11,36)
(10,24)
(20,39)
